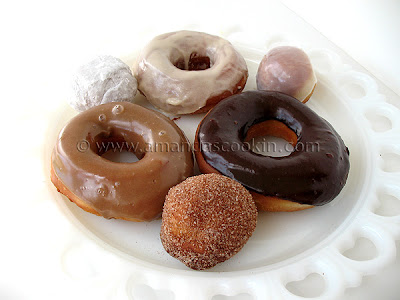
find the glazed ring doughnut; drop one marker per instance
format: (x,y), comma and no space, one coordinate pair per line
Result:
(187,72)
(313,174)
(129,191)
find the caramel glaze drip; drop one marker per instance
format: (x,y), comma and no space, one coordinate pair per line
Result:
(313,174)
(133,191)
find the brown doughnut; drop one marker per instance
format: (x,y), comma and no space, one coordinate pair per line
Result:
(305,178)
(129,191)
(206,220)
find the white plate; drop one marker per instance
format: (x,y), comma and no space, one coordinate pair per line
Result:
(286,247)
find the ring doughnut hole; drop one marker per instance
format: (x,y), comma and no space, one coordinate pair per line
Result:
(271,138)
(197,61)
(260,137)
(120,157)
(114,147)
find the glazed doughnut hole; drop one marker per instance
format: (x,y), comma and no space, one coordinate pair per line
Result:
(310,287)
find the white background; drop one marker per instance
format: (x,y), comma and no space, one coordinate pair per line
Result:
(37,36)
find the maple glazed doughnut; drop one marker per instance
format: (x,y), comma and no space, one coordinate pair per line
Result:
(206,220)
(187,72)
(288,70)
(130,191)
(313,174)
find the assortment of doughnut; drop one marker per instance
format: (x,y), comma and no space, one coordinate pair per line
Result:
(206,219)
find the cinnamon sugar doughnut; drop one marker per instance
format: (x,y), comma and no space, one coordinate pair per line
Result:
(187,72)
(288,70)
(206,220)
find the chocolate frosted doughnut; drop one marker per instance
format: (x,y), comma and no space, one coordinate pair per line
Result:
(313,174)
(129,191)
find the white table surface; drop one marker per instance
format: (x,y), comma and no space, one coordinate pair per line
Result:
(38,34)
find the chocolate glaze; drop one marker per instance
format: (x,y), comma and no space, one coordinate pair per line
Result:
(309,175)
(132,191)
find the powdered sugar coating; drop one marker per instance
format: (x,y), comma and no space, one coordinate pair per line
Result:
(206,220)
(102,80)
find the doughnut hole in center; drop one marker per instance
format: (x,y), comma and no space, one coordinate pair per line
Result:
(114,147)
(197,61)
(271,138)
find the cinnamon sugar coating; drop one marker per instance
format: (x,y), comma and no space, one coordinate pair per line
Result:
(206,220)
